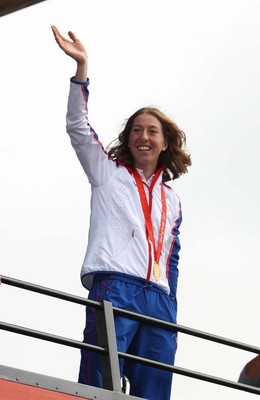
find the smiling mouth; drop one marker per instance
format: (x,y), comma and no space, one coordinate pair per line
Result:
(143,148)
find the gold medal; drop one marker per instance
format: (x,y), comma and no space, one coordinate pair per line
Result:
(156,271)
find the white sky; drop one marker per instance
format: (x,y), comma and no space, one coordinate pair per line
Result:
(199,61)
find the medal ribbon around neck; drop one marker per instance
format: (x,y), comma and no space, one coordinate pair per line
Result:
(148,221)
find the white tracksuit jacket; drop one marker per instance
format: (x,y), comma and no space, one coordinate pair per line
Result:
(117,239)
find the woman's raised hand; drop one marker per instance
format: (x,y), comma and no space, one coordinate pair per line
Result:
(75,49)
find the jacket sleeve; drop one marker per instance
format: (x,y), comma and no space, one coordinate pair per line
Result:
(90,151)
(173,259)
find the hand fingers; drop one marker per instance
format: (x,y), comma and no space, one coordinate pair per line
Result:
(58,36)
(73,37)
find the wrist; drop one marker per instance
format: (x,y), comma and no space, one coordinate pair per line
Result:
(81,72)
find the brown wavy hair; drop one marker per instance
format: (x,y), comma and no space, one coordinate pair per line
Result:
(175,157)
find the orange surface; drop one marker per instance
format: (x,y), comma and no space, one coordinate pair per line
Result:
(18,391)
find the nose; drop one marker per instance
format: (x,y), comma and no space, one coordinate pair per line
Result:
(144,136)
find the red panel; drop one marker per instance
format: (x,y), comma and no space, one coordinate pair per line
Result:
(17,391)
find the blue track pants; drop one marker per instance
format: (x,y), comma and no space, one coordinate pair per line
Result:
(133,337)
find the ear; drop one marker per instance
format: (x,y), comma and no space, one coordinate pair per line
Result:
(165,146)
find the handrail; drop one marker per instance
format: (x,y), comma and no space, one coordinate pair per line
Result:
(103,350)
(129,314)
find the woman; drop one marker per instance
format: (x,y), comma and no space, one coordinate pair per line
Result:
(250,374)
(133,245)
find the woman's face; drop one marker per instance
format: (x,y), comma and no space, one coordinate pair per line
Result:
(146,142)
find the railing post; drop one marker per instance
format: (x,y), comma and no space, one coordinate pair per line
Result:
(107,339)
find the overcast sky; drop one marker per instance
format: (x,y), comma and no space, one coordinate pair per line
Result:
(199,61)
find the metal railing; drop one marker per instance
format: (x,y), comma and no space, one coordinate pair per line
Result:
(107,347)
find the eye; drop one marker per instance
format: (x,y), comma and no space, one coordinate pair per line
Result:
(136,129)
